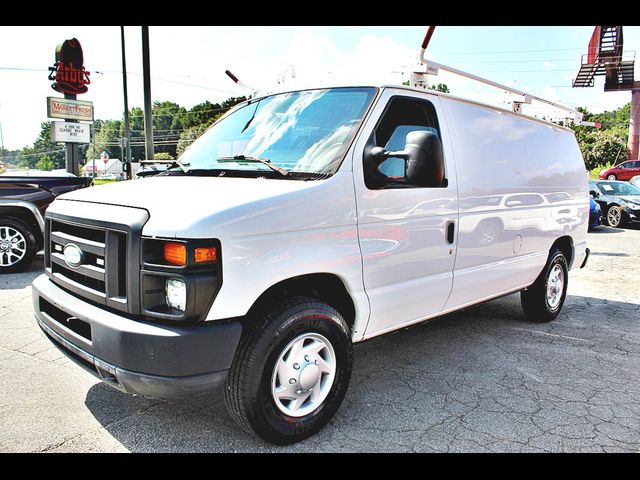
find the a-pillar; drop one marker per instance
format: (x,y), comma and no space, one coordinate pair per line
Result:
(634,125)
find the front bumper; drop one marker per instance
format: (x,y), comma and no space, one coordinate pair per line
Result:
(133,356)
(631,214)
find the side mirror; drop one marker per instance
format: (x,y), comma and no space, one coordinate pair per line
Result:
(423,154)
(593,193)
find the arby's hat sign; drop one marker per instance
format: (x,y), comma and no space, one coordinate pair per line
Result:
(68,73)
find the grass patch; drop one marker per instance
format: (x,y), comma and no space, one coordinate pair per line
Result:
(593,174)
(101,181)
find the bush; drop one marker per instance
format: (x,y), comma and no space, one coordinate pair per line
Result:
(45,163)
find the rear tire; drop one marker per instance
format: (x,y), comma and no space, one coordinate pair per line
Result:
(543,300)
(17,245)
(291,371)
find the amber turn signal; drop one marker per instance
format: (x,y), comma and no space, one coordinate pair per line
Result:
(175,253)
(208,254)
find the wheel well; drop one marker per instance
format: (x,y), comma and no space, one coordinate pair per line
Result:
(565,244)
(26,217)
(322,286)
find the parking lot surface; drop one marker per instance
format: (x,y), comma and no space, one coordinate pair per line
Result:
(480,380)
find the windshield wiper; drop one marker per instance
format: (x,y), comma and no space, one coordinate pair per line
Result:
(248,158)
(170,164)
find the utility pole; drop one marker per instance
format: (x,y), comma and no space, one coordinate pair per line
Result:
(146,78)
(127,138)
(2,145)
(634,124)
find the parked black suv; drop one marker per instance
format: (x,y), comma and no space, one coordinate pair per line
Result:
(23,201)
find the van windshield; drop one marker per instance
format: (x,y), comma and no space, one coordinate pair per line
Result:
(307,131)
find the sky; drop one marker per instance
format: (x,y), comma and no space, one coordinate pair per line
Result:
(188,64)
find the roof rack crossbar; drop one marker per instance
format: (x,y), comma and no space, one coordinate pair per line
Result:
(434,66)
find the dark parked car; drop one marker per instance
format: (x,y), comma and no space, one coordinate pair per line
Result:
(595,214)
(23,201)
(620,201)
(623,171)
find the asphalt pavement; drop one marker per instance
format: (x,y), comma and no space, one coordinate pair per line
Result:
(480,380)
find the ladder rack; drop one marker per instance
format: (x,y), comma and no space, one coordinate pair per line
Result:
(433,67)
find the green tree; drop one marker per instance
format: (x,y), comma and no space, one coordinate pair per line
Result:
(608,144)
(202,113)
(136,126)
(45,163)
(602,147)
(441,87)
(162,156)
(105,139)
(43,145)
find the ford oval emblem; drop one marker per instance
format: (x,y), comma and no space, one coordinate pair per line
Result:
(73,255)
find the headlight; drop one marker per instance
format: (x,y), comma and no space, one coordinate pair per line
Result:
(629,204)
(176,294)
(180,278)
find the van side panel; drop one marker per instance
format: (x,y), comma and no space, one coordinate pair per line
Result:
(309,231)
(522,184)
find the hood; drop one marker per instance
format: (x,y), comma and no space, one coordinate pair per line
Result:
(628,198)
(179,204)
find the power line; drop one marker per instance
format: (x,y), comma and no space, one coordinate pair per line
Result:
(130,73)
(528,71)
(517,51)
(174,81)
(527,61)
(20,155)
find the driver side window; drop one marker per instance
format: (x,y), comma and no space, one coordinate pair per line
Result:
(403,115)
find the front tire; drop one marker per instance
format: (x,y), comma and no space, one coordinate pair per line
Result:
(543,300)
(17,245)
(615,216)
(291,371)
(611,177)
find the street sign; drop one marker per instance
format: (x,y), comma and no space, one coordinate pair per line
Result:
(105,157)
(68,109)
(591,124)
(70,132)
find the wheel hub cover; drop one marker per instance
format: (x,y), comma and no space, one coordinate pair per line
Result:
(309,376)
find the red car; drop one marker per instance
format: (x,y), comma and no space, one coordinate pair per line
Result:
(623,171)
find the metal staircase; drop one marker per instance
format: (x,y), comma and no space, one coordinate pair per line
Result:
(605,57)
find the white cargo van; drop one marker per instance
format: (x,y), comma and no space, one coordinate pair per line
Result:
(302,223)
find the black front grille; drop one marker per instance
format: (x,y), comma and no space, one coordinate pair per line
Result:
(77,277)
(101,276)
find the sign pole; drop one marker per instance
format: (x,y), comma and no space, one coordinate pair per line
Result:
(126,158)
(146,80)
(71,151)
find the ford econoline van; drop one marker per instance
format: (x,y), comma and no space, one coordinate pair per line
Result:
(298,225)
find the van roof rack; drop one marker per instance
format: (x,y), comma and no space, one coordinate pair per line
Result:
(432,68)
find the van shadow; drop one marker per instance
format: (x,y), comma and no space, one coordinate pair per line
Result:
(403,384)
(604,229)
(19,280)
